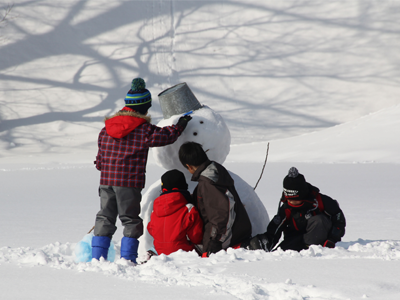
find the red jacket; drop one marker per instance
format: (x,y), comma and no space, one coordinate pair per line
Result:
(172,219)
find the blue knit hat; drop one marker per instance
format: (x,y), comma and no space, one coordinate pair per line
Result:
(138,98)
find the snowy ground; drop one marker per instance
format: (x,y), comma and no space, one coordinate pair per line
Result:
(317,80)
(54,208)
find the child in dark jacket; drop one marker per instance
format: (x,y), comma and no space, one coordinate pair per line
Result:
(226,223)
(306,217)
(175,223)
(124,144)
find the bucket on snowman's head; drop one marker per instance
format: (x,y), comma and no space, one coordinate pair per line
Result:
(178,100)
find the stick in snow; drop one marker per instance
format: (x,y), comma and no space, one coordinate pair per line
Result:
(265,162)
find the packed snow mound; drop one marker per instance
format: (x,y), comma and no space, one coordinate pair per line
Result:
(188,269)
(255,209)
(207,128)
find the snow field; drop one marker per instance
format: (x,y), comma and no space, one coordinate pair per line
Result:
(188,269)
(318,80)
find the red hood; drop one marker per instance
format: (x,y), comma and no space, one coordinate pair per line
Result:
(120,126)
(167,204)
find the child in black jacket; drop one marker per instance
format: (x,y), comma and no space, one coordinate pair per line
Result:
(306,217)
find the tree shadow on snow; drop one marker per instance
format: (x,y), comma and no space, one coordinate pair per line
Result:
(166,33)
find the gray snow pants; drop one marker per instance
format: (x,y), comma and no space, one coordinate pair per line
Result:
(122,201)
(317,231)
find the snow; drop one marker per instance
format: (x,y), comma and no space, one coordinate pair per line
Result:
(207,128)
(317,80)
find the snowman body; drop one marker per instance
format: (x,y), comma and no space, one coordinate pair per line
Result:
(209,130)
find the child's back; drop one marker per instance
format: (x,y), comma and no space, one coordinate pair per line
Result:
(172,219)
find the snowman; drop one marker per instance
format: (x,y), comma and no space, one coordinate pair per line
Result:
(209,130)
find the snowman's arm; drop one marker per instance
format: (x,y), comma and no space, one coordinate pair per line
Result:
(162,136)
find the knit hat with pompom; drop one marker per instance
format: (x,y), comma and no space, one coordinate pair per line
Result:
(295,186)
(138,98)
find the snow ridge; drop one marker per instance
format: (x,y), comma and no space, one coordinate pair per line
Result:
(187,269)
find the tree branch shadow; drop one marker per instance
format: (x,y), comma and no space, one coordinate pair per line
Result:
(281,56)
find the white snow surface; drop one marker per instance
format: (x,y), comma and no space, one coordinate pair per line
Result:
(318,80)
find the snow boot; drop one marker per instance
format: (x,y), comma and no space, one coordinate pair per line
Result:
(129,248)
(100,245)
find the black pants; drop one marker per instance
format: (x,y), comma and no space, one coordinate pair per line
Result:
(123,202)
(317,230)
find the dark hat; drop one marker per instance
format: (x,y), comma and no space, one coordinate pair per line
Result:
(138,98)
(295,186)
(173,179)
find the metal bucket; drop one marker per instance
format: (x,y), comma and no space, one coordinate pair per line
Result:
(178,100)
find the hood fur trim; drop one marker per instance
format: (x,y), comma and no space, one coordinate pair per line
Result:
(129,113)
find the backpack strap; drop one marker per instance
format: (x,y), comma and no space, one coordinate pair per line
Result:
(288,212)
(319,200)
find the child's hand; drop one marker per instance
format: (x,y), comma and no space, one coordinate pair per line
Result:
(214,246)
(183,121)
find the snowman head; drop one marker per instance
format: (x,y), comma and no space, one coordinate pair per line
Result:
(206,128)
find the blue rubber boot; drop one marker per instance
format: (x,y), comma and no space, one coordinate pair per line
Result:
(100,245)
(129,248)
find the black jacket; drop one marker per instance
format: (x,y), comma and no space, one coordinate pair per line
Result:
(224,216)
(292,221)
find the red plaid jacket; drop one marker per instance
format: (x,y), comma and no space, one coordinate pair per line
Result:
(124,145)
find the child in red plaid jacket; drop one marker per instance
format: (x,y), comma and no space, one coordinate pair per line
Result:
(123,145)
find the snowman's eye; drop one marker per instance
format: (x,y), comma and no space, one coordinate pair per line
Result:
(201,122)
(194,133)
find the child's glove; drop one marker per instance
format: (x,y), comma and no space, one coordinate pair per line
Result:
(259,242)
(264,241)
(183,121)
(336,234)
(213,247)
(97,162)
